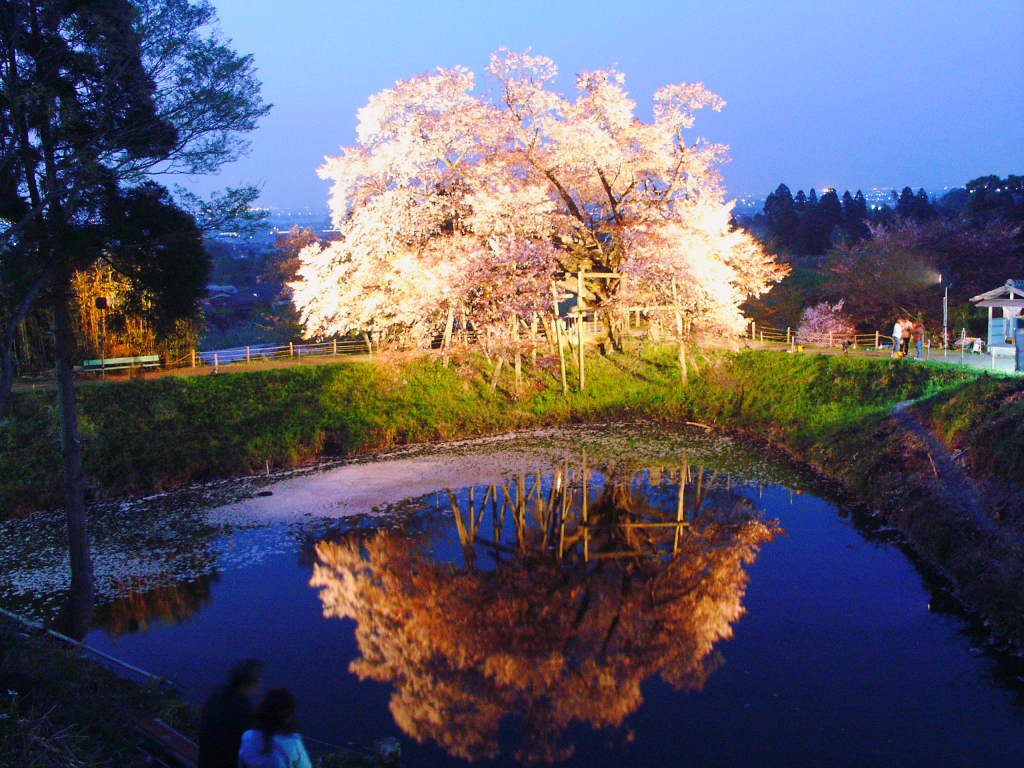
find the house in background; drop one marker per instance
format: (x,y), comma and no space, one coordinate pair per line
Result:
(1004,306)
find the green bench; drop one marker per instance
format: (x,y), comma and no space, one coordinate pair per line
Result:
(119,364)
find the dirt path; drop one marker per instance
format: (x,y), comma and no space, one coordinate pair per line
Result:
(955,483)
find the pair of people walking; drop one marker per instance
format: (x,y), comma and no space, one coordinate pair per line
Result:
(904,332)
(233,734)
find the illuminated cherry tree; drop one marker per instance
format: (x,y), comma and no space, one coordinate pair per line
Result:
(824,323)
(452,202)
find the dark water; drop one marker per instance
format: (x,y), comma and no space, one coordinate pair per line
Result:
(748,625)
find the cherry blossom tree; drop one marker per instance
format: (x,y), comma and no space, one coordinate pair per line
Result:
(452,201)
(825,322)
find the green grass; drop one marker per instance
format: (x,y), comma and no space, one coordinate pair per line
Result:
(143,436)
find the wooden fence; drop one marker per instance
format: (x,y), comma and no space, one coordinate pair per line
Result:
(791,337)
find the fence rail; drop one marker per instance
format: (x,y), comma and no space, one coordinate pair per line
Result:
(215,358)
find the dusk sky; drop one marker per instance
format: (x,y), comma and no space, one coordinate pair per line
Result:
(852,94)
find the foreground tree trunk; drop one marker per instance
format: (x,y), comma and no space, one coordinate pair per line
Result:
(76,614)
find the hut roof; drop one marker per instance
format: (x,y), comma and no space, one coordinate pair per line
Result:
(1010,290)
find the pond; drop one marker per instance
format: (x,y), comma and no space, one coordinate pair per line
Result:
(631,595)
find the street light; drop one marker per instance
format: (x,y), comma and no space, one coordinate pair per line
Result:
(101,305)
(945,318)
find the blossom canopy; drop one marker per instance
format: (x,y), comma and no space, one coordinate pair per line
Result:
(450,199)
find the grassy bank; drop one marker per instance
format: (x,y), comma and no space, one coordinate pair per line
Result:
(58,708)
(151,435)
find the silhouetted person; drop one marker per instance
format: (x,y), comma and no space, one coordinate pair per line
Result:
(227,714)
(274,743)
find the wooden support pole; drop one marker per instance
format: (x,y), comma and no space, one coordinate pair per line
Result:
(518,357)
(446,339)
(248,357)
(497,372)
(557,326)
(291,349)
(533,339)
(579,326)
(335,348)
(679,333)
(878,344)
(193,358)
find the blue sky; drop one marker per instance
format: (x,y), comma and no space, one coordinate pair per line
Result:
(848,94)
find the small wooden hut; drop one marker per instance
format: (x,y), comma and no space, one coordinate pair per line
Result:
(1004,306)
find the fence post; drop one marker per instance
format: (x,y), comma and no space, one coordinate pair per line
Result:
(830,338)
(762,336)
(788,339)
(216,363)
(753,329)
(291,349)
(248,357)
(193,358)
(877,341)
(335,346)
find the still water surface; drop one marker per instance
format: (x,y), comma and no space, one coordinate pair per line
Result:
(657,602)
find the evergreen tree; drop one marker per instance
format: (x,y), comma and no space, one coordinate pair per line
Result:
(855,214)
(800,201)
(812,198)
(906,205)
(781,216)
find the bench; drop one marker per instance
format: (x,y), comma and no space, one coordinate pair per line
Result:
(119,364)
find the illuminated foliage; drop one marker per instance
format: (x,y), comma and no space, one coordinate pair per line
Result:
(824,323)
(451,200)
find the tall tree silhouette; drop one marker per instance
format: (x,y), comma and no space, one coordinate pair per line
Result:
(98,96)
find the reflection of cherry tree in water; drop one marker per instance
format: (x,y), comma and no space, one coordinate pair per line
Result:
(605,589)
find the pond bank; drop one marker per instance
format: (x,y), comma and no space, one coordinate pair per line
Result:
(830,412)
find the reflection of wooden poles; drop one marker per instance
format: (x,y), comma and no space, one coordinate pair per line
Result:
(679,331)
(584,512)
(553,522)
(558,339)
(680,508)
(579,325)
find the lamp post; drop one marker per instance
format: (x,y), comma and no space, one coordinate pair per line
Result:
(101,305)
(945,319)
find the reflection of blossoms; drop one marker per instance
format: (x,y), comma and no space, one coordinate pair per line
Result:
(552,640)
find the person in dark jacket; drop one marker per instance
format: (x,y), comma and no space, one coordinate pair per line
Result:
(227,714)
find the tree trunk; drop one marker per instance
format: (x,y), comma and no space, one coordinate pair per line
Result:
(76,615)
(612,331)
(7,368)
